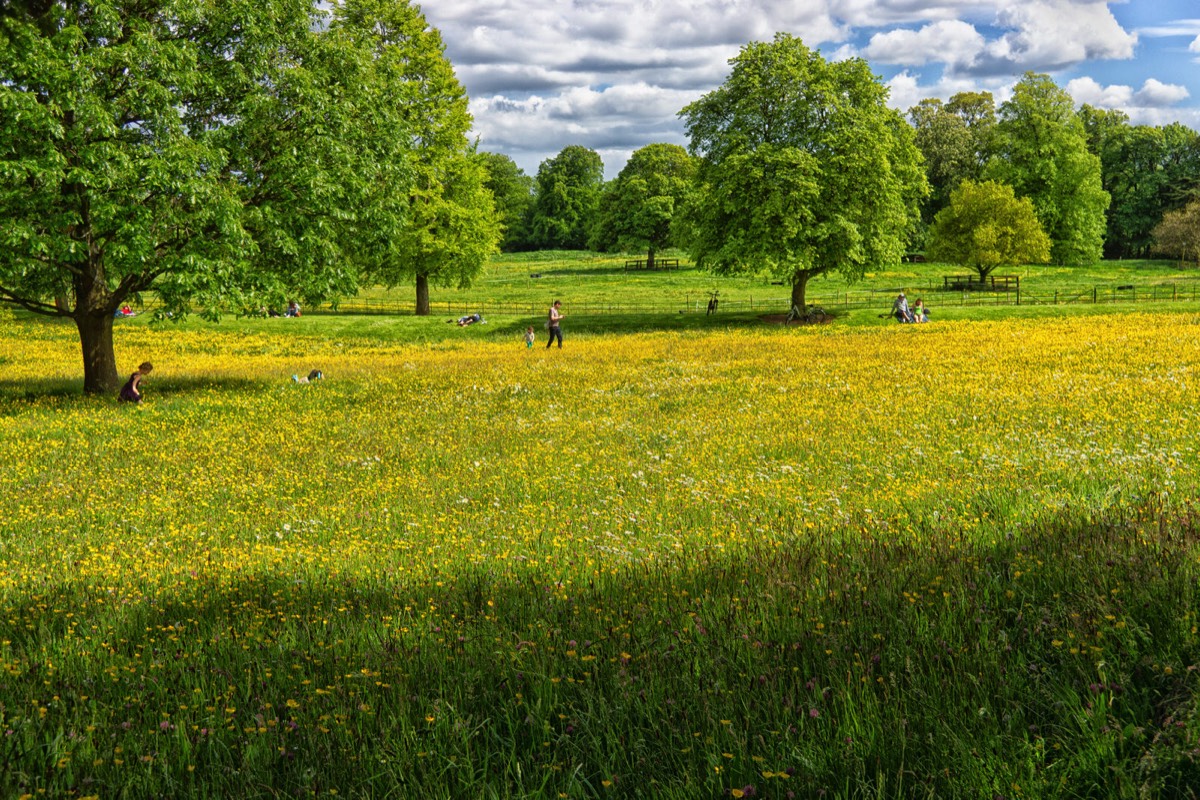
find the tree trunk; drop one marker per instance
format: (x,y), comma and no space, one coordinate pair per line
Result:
(99,361)
(423,295)
(650,258)
(799,284)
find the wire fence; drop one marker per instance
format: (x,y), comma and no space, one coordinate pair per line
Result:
(767,303)
(772,303)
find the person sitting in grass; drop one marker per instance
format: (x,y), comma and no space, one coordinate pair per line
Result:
(131,391)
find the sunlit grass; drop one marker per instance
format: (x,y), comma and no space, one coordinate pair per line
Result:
(944,560)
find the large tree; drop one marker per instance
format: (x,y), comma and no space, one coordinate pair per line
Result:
(220,155)
(986,226)
(1041,151)
(568,191)
(637,208)
(955,140)
(804,169)
(451,225)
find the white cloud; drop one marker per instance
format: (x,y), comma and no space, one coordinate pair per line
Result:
(950,42)
(1155,93)
(904,92)
(1086,91)
(1194,47)
(1052,34)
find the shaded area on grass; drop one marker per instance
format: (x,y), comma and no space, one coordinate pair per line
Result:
(1062,660)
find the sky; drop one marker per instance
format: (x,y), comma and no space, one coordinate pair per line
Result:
(612,75)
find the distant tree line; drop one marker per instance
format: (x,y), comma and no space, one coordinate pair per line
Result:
(1098,185)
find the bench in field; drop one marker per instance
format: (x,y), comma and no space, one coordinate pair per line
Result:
(972,283)
(659,263)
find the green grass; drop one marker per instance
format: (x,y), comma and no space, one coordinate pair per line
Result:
(598,280)
(687,557)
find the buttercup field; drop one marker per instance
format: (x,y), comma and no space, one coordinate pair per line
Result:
(943,560)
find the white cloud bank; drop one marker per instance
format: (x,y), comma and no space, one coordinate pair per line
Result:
(1153,94)
(613,74)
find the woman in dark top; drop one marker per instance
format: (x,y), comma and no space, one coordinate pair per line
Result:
(130,391)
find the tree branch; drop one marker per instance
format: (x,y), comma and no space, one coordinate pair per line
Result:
(36,306)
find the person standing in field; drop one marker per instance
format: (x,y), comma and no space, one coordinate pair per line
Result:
(554,324)
(131,391)
(530,336)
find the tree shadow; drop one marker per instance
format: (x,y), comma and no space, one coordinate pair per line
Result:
(14,392)
(710,641)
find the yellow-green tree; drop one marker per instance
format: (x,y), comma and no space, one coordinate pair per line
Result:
(986,226)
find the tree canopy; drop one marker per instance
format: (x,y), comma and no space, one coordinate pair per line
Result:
(450,225)
(955,140)
(220,155)
(986,226)
(804,169)
(568,192)
(1041,151)
(512,193)
(1147,171)
(637,208)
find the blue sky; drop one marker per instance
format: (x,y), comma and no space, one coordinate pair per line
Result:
(613,74)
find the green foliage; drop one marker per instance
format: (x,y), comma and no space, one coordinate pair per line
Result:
(450,225)
(804,170)
(1179,233)
(226,155)
(955,140)
(636,209)
(568,193)
(1041,151)
(512,194)
(1146,170)
(986,226)
(220,155)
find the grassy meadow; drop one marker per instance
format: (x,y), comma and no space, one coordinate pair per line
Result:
(599,283)
(951,560)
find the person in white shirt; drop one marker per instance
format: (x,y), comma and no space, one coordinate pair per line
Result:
(554,324)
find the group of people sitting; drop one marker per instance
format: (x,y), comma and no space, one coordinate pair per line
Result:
(902,312)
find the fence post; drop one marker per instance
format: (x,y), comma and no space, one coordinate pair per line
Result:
(1056,297)
(1093,295)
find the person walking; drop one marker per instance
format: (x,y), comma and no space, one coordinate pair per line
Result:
(554,324)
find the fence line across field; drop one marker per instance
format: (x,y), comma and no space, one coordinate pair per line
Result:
(934,296)
(769,304)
